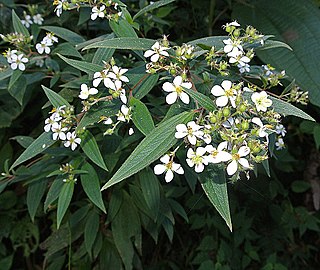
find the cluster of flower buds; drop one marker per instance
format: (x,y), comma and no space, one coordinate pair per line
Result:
(61,123)
(69,170)
(46,43)
(28,20)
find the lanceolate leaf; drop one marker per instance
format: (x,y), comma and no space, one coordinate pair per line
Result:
(152,6)
(53,192)
(152,147)
(18,26)
(91,185)
(86,67)
(64,200)
(141,116)
(38,146)
(216,41)
(145,86)
(91,230)
(202,99)
(122,28)
(65,34)
(124,43)
(91,149)
(213,182)
(35,193)
(55,99)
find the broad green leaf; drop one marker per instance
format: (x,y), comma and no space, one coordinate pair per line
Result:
(38,146)
(55,99)
(91,230)
(34,195)
(102,55)
(65,34)
(293,23)
(152,147)
(18,26)
(91,41)
(91,186)
(122,29)
(91,149)
(64,200)
(152,6)
(24,141)
(145,86)
(123,43)
(150,189)
(84,66)
(202,99)
(216,41)
(5,73)
(213,182)
(141,116)
(53,192)
(15,76)
(300,186)
(18,89)
(271,44)
(67,49)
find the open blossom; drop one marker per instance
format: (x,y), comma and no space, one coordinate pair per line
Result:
(18,61)
(124,114)
(241,60)
(224,94)
(262,128)
(27,20)
(280,143)
(59,132)
(191,130)
(117,87)
(243,68)
(176,90)
(117,74)
(232,48)
(238,158)
(50,38)
(197,159)
(280,129)
(261,101)
(59,8)
(168,167)
(72,140)
(217,155)
(156,52)
(97,12)
(43,47)
(102,76)
(51,121)
(86,91)
(37,19)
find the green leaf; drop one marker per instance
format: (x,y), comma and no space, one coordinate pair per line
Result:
(18,26)
(55,99)
(271,44)
(213,182)
(91,186)
(65,34)
(67,49)
(15,77)
(216,41)
(53,193)
(316,135)
(5,73)
(18,89)
(84,66)
(202,99)
(123,43)
(38,146)
(294,24)
(64,200)
(122,29)
(145,86)
(91,149)
(152,147)
(34,195)
(141,116)
(91,230)
(152,7)
(300,186)
(102,55)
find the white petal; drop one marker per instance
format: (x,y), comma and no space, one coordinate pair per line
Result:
(154,58)
(190,162)
(164,53)
(93,91)
(177,81)
(159,169)
(257,121)
(222,145)
(177,168)
(244,163)
(224,156)
(168,87)
(169,176)
(192,139)
(190,153)
(96,82)
(184,98)
(148,53)
(222,101)
(226,84)
(187,85)
(182,128)
(108,83)
(217,91)
(201,151)
(84,87)
(62,136)
(232,168)
(165,159)
(199,168)
(94,16)
(22,67)
(243,151)
(171,98)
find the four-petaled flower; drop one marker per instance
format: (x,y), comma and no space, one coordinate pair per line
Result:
(86,91)
(124,114)
(117,74)
(156,52)
(18,61)
(176,90)
(72,140)
(224,94)
(280,143)
(217,155)
(238,158)
(43,47)
(37,19)
(197,159)
(99,76)
(191,130)
(97,12)
(58,131)
(262,127)
(280,129)
(232,48)
(261,101)
(168,167)
(27,20)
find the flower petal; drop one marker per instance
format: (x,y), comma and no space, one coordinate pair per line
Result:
(217,91)
(169,176)
(184,98)
(168,87)
(244,163)
(171,98)
(232,168)
(159,169)
(226,84)
(222,101)
(165,159)
(177,81)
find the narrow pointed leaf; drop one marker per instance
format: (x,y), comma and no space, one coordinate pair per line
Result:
(34,195)
(18,26)
(84,66)
(202,99)
(152,6)
(55,99)
(152,147)
(91,230)
(65,34)
(64,200)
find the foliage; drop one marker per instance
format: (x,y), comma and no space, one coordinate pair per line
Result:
(93,95)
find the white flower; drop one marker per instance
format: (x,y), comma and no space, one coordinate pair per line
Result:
(267,70)
(232,48)
(238,158)
(49,122)
(50,38)
(39,62)
(262,129)
(176,90)
(224,94)
(27,20)
(18,61)
(102,76)
(243,69)
(124,114)
(191,130)
(280,144)
(206,134)
(117,74)
(234,23)
(280,129)
(72,140)
(108,121)
(156,52)
(168,167)
(58,131)
(9,54)
(131,131)
(97,12)
(59,8)
(86,91)
(231,123)
(218,155)
(37,19)
(43,47)
(261,101)
(242,60)
(197,159)
(117,87)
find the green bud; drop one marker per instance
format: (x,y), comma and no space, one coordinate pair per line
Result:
(220,114)
(213,119)
(172,71)
(244,125)
(236,32)
(242,108)
(184,76)
(226,112)
(228,29)
(178,51)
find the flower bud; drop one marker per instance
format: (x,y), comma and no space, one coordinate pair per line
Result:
(236,32)
(242,108)
(184,76)
(172,71)
(213,119)
(226,112)
(245,125)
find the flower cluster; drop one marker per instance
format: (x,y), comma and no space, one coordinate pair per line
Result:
(61,123)
(28,19)
(46,43)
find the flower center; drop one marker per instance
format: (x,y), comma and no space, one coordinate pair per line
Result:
(214,153)
(236,156)
(197,159)
(179,89)
(229,92)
